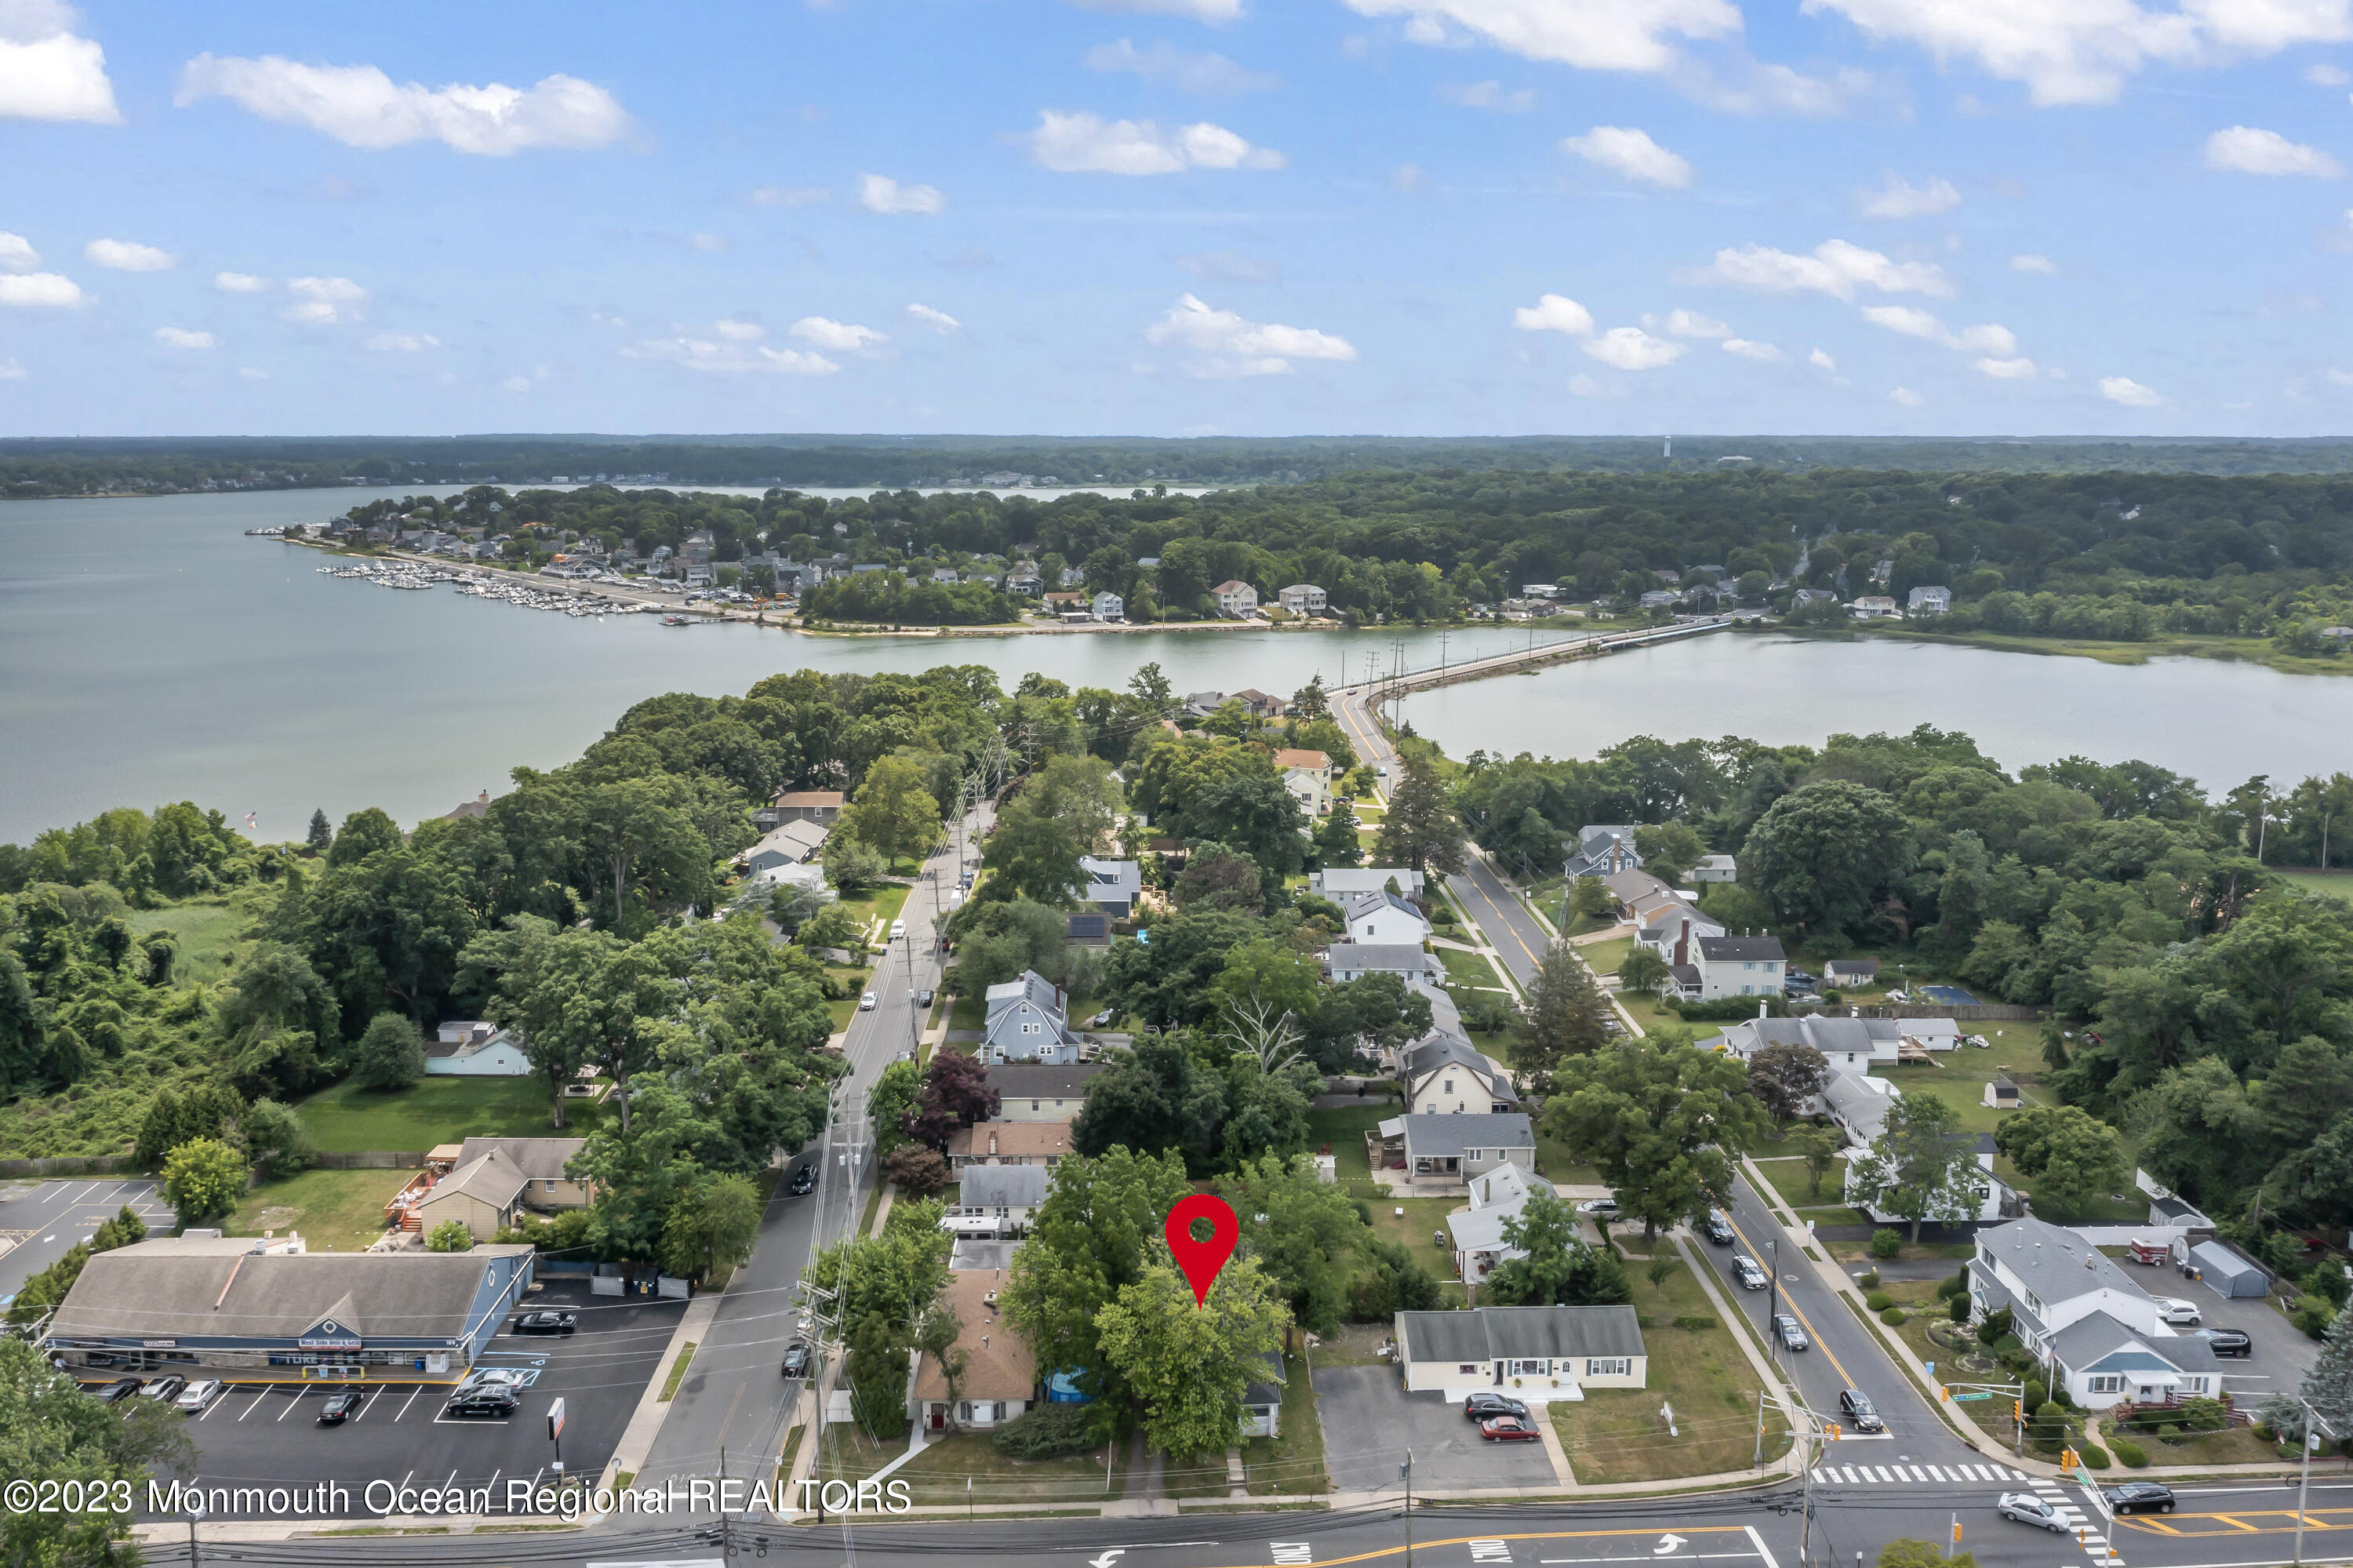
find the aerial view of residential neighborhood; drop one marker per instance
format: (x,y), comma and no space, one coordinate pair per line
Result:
(1176,784)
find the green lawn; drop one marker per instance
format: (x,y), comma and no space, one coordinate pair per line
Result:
(1344,1128)
(348,1119)
(1789,1179)
(1293,1462)
(2333,884)
(968,1013)
(938,1475)
(209,934)
(1472,970)
(1603,958)
(339,1210)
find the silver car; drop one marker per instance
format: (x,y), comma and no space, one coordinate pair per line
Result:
(1750,1273)
(199,1397)
(2028,1509)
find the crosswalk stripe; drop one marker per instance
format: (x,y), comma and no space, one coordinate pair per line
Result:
(1938,1474)
(1851,1477)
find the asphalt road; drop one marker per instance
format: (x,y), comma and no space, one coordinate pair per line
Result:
(44,1219)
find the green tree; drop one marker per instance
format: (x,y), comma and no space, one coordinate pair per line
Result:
(711,1227)
(1591,900)
(1185,1366)
(1668,850)
(1642,971)
(1819,1149)
(1784,1077)
(890,1102)
(1088,1242)
(1301,1229)
(895,811)
(1566,1014)
(390,1054)
(644,841)
(1420,830)
(51,1430)
(275,1145)
(1824,854)
(2070,1155)
(1156,1097)
(203,1179)
(365,833)
(1034,855)
(850,864)
(450,1235)
(1335,840)
(1558,1267)
(2328,1386)
(1925,1164)
(1217,877)
(322,837)
(1662,1120)
(877,1369)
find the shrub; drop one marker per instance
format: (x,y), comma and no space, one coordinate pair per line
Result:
(919,1170)
(2133,1455)
(1047,1432)
(1885,1243)
(1879,1301)
(2314,1315)
(451,1235)
(1892,1317)
(1868,1279)
(2050,1424)
(1994,1327)
(1958,1308)
(1958,1285)
(2095,1457)
(2204,1414)
(2168,1433)
(1702,1324)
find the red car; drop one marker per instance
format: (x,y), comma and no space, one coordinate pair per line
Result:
(1508,1429)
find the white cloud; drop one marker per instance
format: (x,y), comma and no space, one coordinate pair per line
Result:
(361,107)
(710,242)
(17,254)
(1408,179)
(2243,149)
(1632,348)
(1691,323)
(1905,396)
(181,337)
(1901,198)
(1229,345)
(880,193)
(127,256)
(1822,361)
(2029,261)
(2326,75)
(1629,152)
(325,302)
(46,72)
(36,290)
(2130,392)
(727,351)
(1747,350)
(2340,377)
(739,331)
(789,195)
(1089,145)
(11,371)
(1490,95)
(403,341)
(1595,35)
(240,284)
(1199,10)
(1990,338)
(938,321)
(1555,312)
(2020,369)
(842,338)
(1835,268)
(1181,68)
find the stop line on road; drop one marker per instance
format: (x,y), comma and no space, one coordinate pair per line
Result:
(1915,1474)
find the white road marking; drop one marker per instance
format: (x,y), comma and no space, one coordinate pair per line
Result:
(290,1405)
(257,1401)
(369,1404)
(411,1400)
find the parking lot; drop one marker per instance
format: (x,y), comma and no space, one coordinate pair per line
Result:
(1370,1421)
(2282,1353)
(269,1435)
(41,1221)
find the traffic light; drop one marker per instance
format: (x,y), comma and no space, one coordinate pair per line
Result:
(1945,1391)
(2018,1410)
(2066,1459)
(1832,1432)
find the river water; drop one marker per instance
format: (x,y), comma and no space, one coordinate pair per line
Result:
(150,652)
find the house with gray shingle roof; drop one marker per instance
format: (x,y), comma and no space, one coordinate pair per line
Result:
(1534,1353)
(2097,1331)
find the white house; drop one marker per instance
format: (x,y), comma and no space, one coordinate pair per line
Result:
(1876,606)
(1340,884)
(1308,776)
(2094,1329)
(1737,966)
(1847,1044)
(1235,598)
(1532,1353)
(470,1049)
(1444,1076)
(1028,1020)
(1385,917)
(1346,962)
(1716,868)
(1302,598)
(1869,1188)
(1672,928)
(1478,1230)
(1110,606)
(997,1201)
(1929,601)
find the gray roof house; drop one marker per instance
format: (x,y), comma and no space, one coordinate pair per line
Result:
(1346,962)
(1385,917)
(1531,1352)
(1449,1076)
(2094,1329)
(1040,1091)
(1112,886)
(993,1201)
(1446,1149)
(790,843)
(1028,1020)
(1602,850)
(1859,1105)
(1478,1230)
(1341,882)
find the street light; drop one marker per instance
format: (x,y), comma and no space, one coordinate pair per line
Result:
(2303,1483)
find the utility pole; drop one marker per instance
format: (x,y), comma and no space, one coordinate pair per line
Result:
(1408,1469)
(1773,1298)
(2312,1427)
(196,1515)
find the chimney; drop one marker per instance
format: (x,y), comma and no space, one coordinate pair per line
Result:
(1761,1009)
(992,1145)
(1683,944)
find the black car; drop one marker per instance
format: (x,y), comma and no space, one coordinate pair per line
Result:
(494,1399)
(1487,1406)
(1717,1229)
(166,1389)
(1854,1409)
(804,1182)
(545,1323)
(796,1360)
(924,998)
(338,1409)
(122,1388)
(2228,1342)
(2139,1497)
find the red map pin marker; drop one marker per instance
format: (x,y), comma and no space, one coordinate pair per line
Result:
(1201,1260)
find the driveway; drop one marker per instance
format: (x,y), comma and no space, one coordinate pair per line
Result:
(1370,1421)
(2283,1355)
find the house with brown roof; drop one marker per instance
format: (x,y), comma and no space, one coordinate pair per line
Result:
(542,1161)
(999,1375)
(1308,776)
(1234,597)
(485,1195)
(1010,1143)
(822,806)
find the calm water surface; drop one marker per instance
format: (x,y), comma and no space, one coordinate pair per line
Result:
(150,653)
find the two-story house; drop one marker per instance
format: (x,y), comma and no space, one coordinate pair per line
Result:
(1477,1232)
(1302,598)
(1602,850)
(1446,1149)
(1346,962)
(1929,601)
(998,1201)
(1385,917)
(1308,776)
(1028,1020)
(1110,606)
(820,807)
(1738,966)
(1341,882)
(1040,1091)
(2097,1331)
(1445,1075)
(1234,597)
(1870,1189)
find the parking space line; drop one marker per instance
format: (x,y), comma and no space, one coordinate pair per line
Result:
(290,1407)
(369,1404)
(257,1401)
(411,1400)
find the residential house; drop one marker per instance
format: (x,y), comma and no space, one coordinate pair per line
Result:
(1072,576)
(700,575)
(1067,603)
(1040,1091)
(1876,606)
(1008,1143)
(793,844)
(1847,1044)
(1716,868)
(1343,883)
(1870,1189)
(485,1195)
(1024,584)
(1262,1398)
(1110,606)
(1738,966)
(1850,974)
(1809,596)
(1858,1105)
(1235,598)
(472,1049)
(1532,1353)
(1346,962)
(1478,1230)
(820,806)
(1447,1149)
(479,806)
(1258,704)
(1671,928)
(1659,599)
(2089,1322)
(1384,916)
(998,1380)
(1308,776)
(542,1161)
(1302,598)
(1929,601)
(1602,852)
(1638,894)
(996,1202)
(1112,886)
(1540,591)
(946,575)
(1449,1076)
(1028,1020)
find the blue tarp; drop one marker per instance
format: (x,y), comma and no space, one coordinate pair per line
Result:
(1062,1388)
(1950,995)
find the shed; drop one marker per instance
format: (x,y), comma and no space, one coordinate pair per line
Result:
(2228,1274)
(2001,1095)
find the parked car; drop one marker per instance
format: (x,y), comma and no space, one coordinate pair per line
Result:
(1599,1207)
(2228,1342)
(545,1323)
(199,1397)
(804,1182)
(120,1389)
(898,929)
(796,1360)
(2028,1509)
(2139,1497)
(2180,1314)
(1855,1410)
(1787,1330)
(508,1378)
(923,997)
(163,1388)
(1508,1429)
(1103,1019)
(338,1409)
(1483,1406)
(1718,1229)
(866,1002)
(483,1401)
(1799,977)
(1750,1274)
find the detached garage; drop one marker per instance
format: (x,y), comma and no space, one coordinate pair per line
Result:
(2227,1273)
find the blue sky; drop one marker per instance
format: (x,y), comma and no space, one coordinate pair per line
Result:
(1178,217)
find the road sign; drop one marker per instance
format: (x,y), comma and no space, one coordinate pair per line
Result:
(555,1420)
(1963,1398)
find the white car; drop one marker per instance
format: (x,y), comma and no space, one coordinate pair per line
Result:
(2028,1509)
(898,929)
(2178,1313)
(484,1377)
(1599,1207)
(866,1002)
(199,1397)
